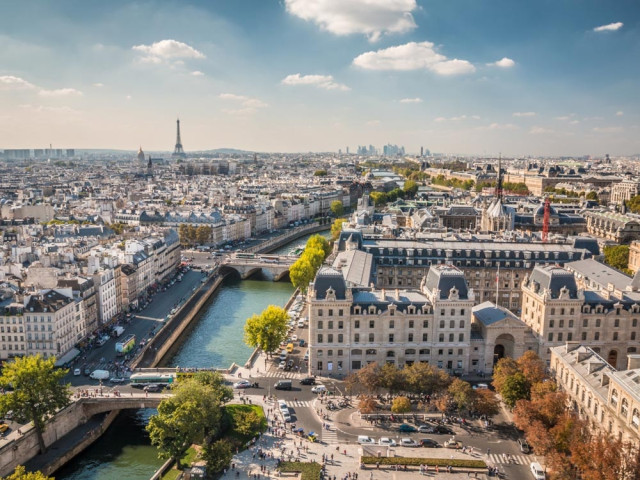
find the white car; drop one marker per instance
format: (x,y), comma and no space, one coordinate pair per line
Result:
(319,389)
(387,442)
(408,442)
(242,384)
(282,364)
(537,471)
(364,440)
(294,338)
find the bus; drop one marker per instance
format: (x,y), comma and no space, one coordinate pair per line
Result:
(144,379)
(126,345)
(245,255)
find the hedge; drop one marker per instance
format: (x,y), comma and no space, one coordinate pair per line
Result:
(309,471)
(432,462)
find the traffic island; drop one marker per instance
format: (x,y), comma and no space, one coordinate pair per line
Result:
(458,465)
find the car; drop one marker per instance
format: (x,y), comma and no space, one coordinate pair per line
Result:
(426,429)
(306,356)
(387,442)
(444,430)
(117,380)
(77,372)
(408,442)
(242,384)
(290,364)
(319,389)
(286,416)
(294,338)
(3,427)
(154,387)
(406,428)
(481,386)
(282,364)
(524,446)
(537,471)
(454,444)
(9,415)
(428,443)
(308,381)
(365,440)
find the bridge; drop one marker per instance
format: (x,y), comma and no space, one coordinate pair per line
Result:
(106,403)
(248,264)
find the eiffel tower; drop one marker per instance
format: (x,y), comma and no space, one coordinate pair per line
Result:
(178,151)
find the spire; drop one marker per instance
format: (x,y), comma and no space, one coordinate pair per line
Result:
(178,152)
(499,181)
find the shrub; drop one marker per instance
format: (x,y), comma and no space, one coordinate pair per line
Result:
(432,462)
(309,471)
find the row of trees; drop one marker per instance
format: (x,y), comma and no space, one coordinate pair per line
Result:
(518,188)
(452,182)
(191,235)
(382,198)
(617,256)
(305,268)
(267,330)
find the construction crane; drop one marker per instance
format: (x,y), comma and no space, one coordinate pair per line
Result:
(545,220)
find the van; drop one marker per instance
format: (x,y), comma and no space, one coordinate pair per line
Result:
(283,385)
(283,355)
(290,348)
(365,440)
(100,374)
(537,471)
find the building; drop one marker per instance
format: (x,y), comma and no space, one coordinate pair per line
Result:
(634,256)
(105,283)
(624,190)
(617,227)
(608,398)
(352,326)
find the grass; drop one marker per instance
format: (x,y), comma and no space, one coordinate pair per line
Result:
(440,462)
(186,460)
(309,471)
(235,410)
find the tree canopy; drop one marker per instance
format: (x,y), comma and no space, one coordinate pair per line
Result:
(305,268)
(617,256)
(267,330)
(336,227)
(20,473)
(401,405)
(337,208)
(38,391)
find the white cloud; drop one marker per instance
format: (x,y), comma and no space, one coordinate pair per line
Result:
(60,92)
(49,109)
(98,85)
(610,27)
(10,82)
(457,118)
(541,131)
(321,81)
(524,114)
(411,100)
(619,113)
(167,50)
(248,105)
(197,73)
(574,122)
(440,119)
(373,123)
(607,129)
(504,62)
(412,56)
(344,17)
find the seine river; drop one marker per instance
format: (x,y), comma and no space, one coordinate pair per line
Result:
(124,451)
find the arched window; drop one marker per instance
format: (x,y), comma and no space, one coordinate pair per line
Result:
(614,397)
(635,418)
(371,351)
(357,351)
(624,407)
(425,351)
(391,354)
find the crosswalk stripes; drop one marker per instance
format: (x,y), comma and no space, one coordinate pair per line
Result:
(506,459)
(329,436)
(299,403)
(281,374)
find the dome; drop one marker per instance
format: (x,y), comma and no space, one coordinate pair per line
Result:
(540,211)
(140,155)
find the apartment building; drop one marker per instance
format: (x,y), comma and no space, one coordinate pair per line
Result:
(50,323)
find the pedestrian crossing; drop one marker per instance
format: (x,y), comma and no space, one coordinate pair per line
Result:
(329,436)
(506,459)
(277,373)
(299,403)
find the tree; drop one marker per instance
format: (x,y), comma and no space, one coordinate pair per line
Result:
(592,196)
(320,173)
(320,243)
(38,391)
(486,403)
(425,379)
(267,330)
(203,234)
(217,455)
(370,377)
(505,367)
(617,256)
(515,388)
(336,228)
(532,367)
(401,405)
(302,273)
(391,378)
(378,198)
(247,422)
(20,473)
(367,405)
(461,393)
(410,188)
(337,208)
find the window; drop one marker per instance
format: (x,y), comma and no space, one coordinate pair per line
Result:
(410,323)
(451,337)
(330,326)
(409,351)
(392,324)
(453,312)
(371,351)
(356,324)
(329,353)
(340,325)
(330,338)
(356,338)
(340,353)
(597,323)
(462,311)
(320,324)
(551,337)
(372,324)
(551,323)
(585,322)
(391,338)
(596,336)
(340,338)
(410,337)
(615,336)
(340,313)
(319,365)
(330,312)
(633,335)
(320,338)
(624,407)
(461,323)
(569,336)
(616,322)
(442,312)
(553,311)
(561,324)
(391,354)
(452,324)
(570,323)
(371,338)
(425,351)
(425,324)
(425,337)
(441,323)
(356,352)
(320,352)
(560,337)
(634,322)
(461,337)
(441,337)
(319,312)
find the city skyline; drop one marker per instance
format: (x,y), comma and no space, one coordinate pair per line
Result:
(554,78)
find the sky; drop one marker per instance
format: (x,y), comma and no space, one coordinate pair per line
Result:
(477,77)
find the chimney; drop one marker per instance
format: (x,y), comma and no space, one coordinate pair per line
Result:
(397,294)
(633,361)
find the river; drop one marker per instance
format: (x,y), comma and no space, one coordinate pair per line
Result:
(124,451)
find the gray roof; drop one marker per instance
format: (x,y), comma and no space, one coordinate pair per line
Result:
(356,267)
(488,313)
(326,278)
(444,278)
(599,273)
(554,278)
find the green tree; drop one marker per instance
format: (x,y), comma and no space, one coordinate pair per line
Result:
(461,393)
(617,256)
(20,473)
(426,379)
(401,405)
(514,388)
(336,228)
(217,455)
(392,378)
(38,391)
(505,367)
(378,198)
(203,234)
(592,196)
(183,233)
(247,422)
(320,243)
(320,173)
(267,330)
(301,273)
(410,188)
(337,208)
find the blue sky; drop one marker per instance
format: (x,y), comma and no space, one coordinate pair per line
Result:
(544,77)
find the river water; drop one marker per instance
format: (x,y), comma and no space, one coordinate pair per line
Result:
(216,340)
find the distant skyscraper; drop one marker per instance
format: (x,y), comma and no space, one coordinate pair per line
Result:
(347,150)
(178,152)
(422,151)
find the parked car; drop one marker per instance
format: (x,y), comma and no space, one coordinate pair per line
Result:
(406,428)
(242,384)
(429,443)
(524,446)
(282,364)
(319,389)
(408,442)
(154,387)
(365,440)
(3,427)
(76,372)
(117,380)
(537,471)
(308,381)
(426,429)
(444,430)
(387,442)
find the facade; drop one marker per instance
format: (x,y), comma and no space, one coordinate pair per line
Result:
(51,326)
(105,283)
(609,399)
(624,190)
(634,256)
(84,293)
(617,227)
(350,327)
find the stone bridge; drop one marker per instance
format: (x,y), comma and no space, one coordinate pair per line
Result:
(248,264)
(93,405)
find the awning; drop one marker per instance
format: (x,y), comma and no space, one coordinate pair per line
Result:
(67,357)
